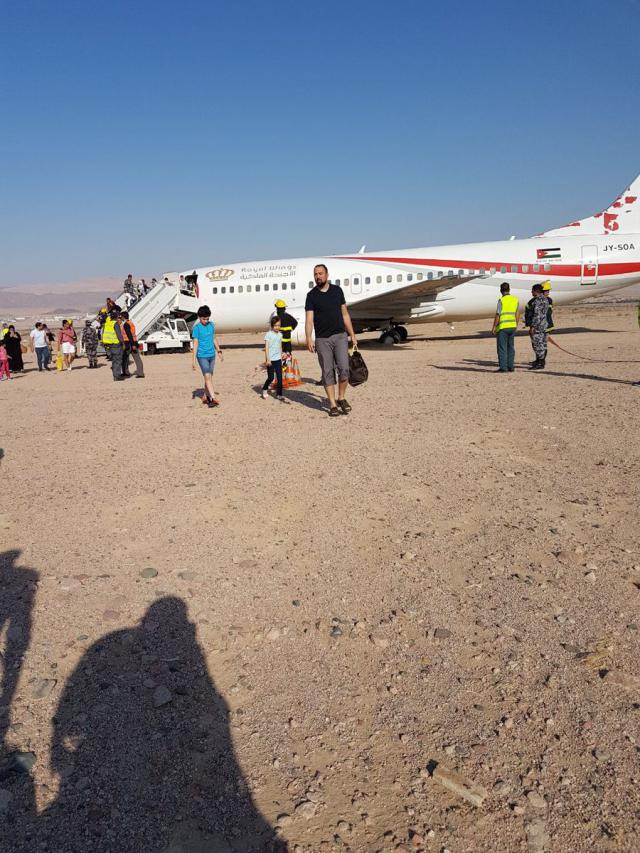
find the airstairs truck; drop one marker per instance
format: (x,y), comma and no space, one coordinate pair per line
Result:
(154,315)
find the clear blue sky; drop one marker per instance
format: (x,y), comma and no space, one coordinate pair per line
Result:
(149,136)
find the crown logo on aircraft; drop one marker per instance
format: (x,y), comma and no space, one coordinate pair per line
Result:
(221,274)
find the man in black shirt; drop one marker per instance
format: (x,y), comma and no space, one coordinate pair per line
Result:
(328,316)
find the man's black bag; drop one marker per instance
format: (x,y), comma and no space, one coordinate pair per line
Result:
(358,371)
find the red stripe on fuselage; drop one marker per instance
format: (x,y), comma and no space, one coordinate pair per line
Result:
(555,269)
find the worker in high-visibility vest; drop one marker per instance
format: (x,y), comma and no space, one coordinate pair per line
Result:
(287,326)
(505,324)
(112,342)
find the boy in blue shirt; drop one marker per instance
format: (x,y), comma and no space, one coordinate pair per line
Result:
(205,348)
(273,357)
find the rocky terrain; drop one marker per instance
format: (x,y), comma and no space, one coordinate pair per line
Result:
(256,628)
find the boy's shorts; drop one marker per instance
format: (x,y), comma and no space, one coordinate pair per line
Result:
(207,364)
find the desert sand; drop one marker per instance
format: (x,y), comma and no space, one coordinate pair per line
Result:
(258,628)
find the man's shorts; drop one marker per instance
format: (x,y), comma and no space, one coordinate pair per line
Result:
(333,354)
(68,349)
(206,364)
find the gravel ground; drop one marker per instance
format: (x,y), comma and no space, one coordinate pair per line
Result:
(258,628)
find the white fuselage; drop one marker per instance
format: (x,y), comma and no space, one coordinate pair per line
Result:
(241,296)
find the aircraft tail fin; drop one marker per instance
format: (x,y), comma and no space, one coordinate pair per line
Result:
(622,217)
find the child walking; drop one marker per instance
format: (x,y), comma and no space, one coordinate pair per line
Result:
(273,357)
(4,362)
(205,348)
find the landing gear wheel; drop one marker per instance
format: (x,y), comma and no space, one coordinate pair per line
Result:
(401,330)
(389,338)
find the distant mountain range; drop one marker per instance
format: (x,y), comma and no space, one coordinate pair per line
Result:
(76,296)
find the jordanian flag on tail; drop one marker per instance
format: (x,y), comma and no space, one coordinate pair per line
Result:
(549,254)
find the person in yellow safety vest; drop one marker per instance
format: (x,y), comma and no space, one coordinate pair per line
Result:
(287,325)
(505,324)
(112,341)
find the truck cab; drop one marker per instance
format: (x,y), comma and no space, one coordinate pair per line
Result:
(169,333)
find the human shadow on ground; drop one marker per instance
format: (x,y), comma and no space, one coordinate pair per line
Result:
(143,752)
(17,594)
(299,396)
(591,376)
(488,362)
(198,393)
(521,333)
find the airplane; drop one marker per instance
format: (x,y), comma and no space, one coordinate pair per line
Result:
(387,290)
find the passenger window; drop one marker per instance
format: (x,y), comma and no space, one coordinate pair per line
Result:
(215,290)
(223,290)
(293,285)
(389,279)
(503,270)
(440,273)
(248,288)
(536,267)
(420,276)
(346,282)
(492,270)
(430,276)
(409,277)
(337,281)
(450,273)
(461,272)
(231,290)
(378,279)
(284,285)
(356,280)
(525,267)
(266,287)
(275,286)
(257,288)
(240,289)
(398,278)
(310,285)
(514,269)
(367,280)
(547,267)
(482,271)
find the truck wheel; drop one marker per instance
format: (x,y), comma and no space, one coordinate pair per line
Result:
(151,349)
(186,346)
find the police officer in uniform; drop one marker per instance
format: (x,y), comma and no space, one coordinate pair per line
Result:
(112,341)
(90,343)
(287,326)
(505,324)
(538,325)
(528,313)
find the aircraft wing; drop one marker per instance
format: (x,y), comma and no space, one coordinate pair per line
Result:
(401,301)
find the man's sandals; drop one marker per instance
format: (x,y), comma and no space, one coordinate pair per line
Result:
(341,408)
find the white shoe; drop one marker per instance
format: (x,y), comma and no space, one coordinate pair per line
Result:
(265,394)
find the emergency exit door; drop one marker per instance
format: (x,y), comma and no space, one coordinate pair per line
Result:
(589,269)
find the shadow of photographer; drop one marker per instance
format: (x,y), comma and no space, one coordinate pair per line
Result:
(143,753)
